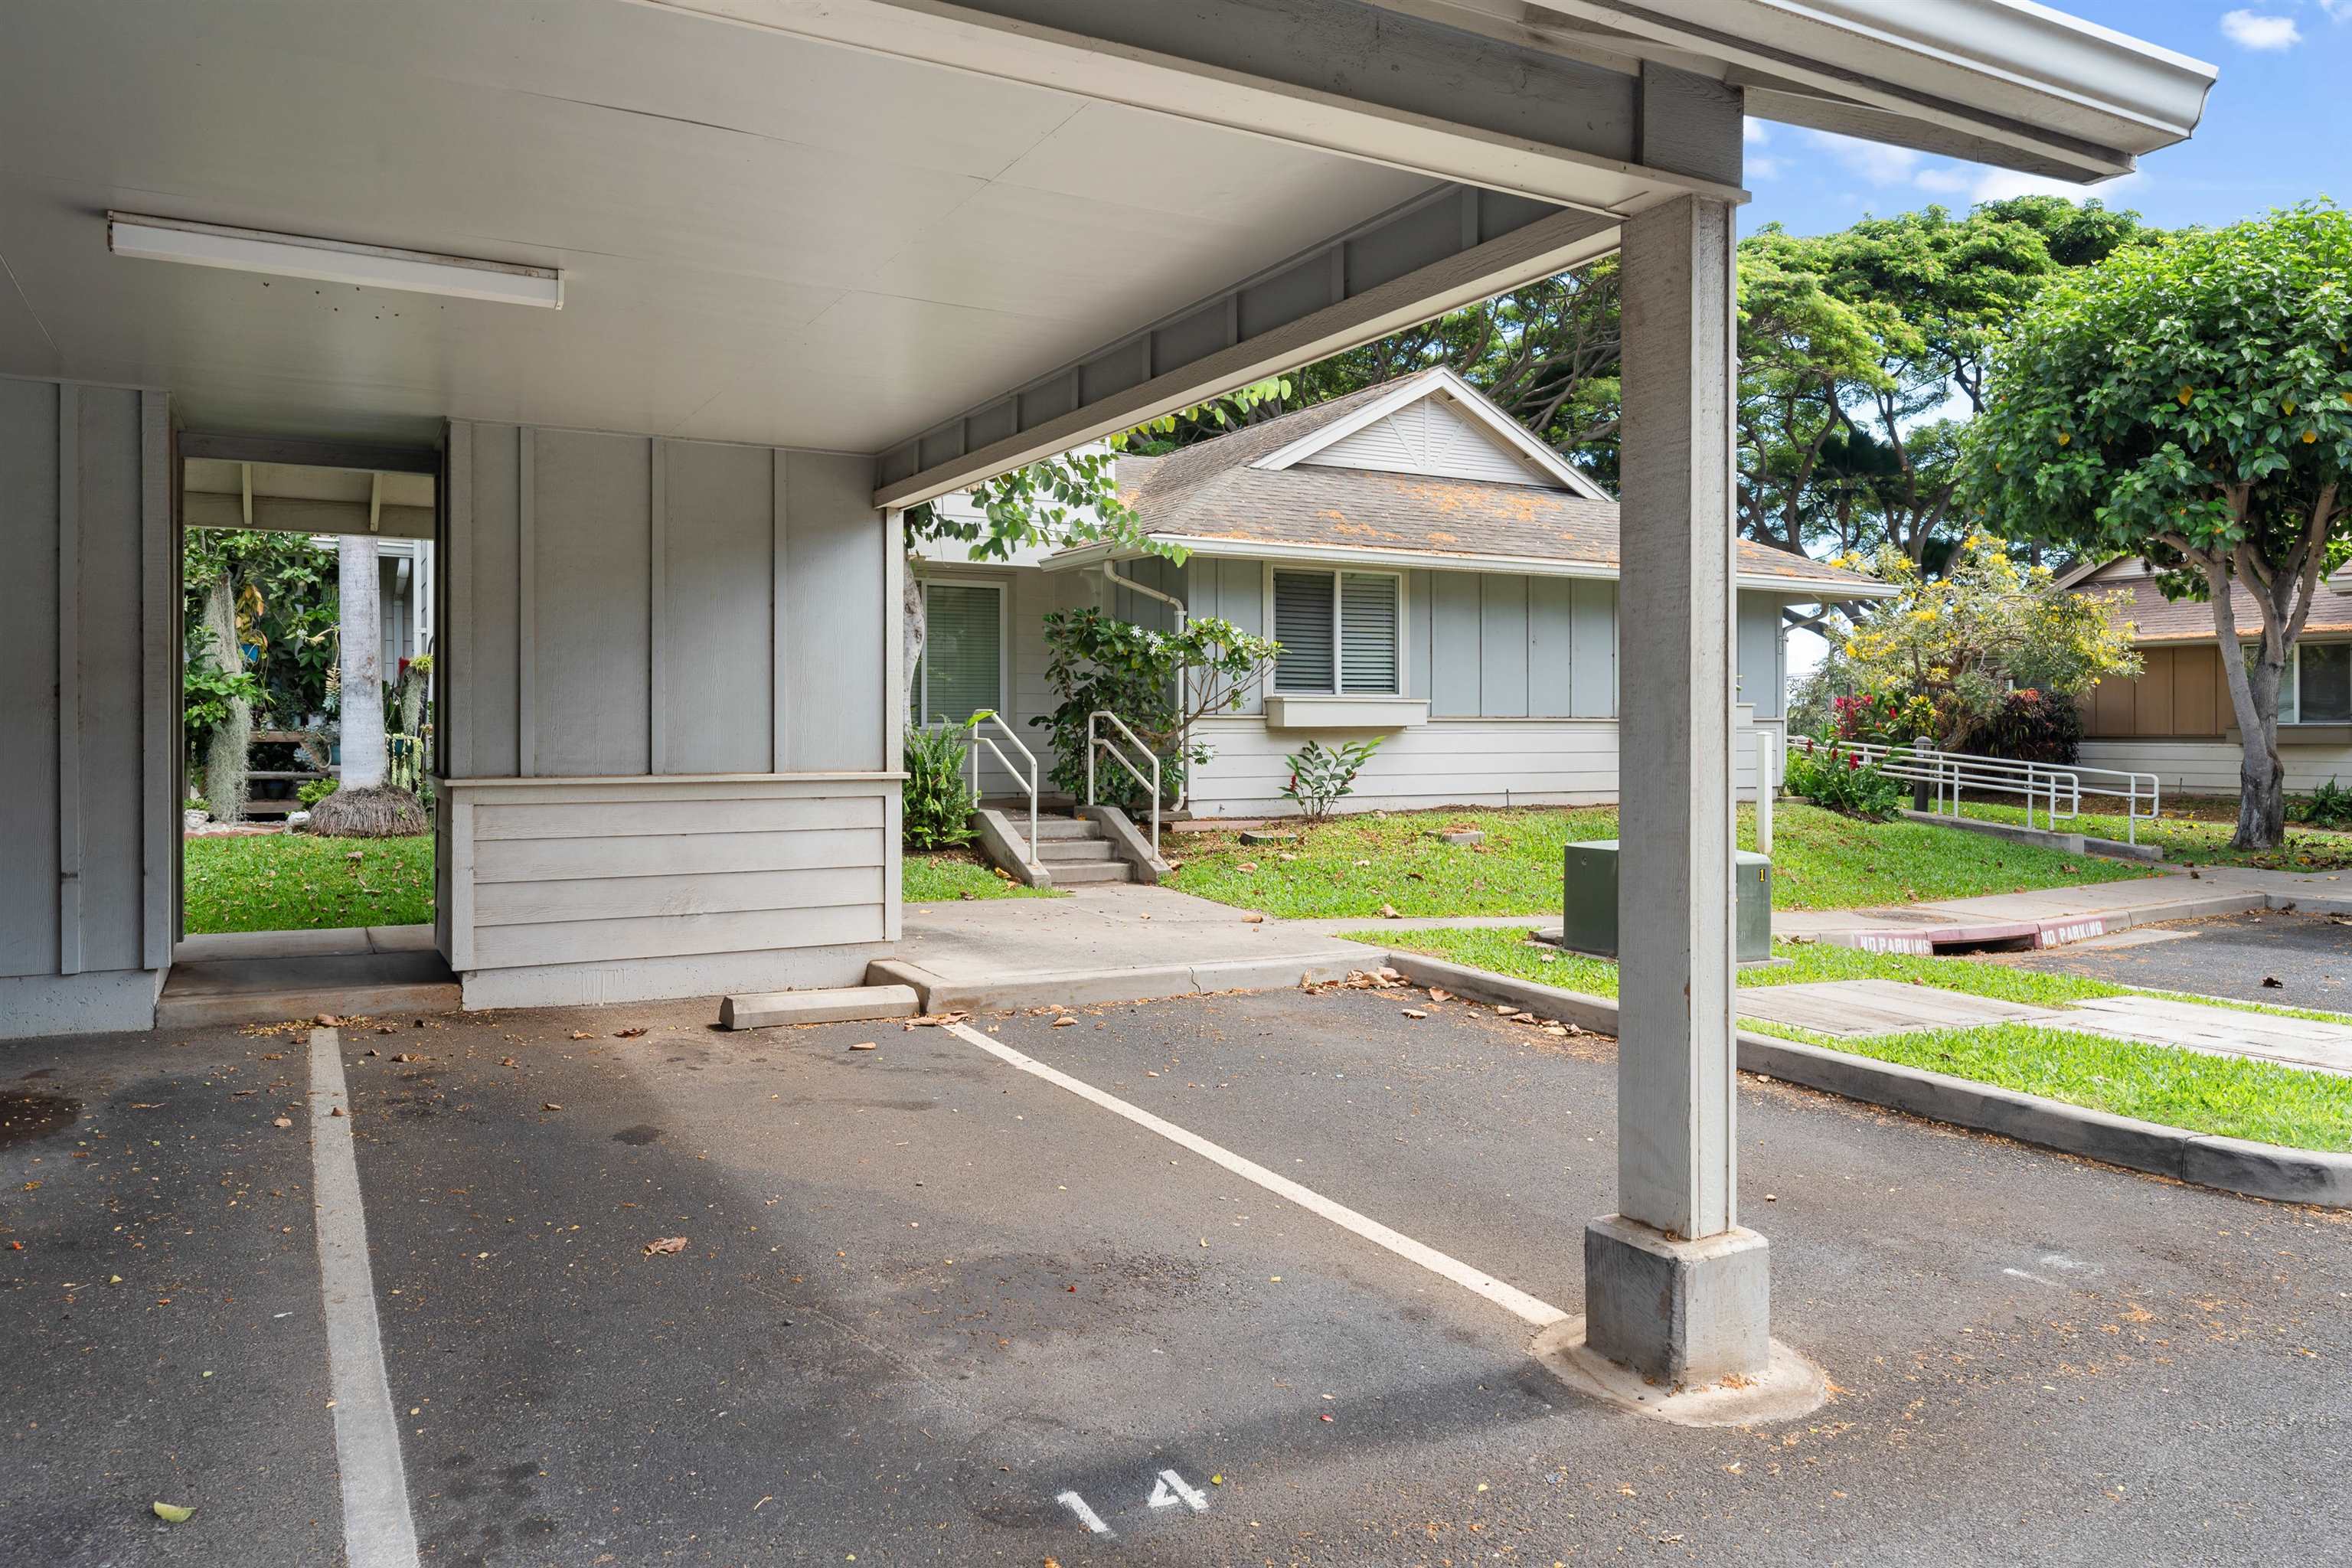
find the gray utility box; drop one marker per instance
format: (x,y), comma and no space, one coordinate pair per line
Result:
(1589,902)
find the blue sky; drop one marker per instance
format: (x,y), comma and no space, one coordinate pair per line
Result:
(2272,133)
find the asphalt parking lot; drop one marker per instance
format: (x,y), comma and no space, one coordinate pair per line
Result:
(931,1308)
(2286,959)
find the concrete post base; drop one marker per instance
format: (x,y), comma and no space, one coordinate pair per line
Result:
(1678,1313)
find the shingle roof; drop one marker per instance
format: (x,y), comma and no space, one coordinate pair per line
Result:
(1210,491)
(2156,620)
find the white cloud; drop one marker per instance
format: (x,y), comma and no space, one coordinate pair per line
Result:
(1762,168)
(1875,161)
(1999,185)
(1948,179)
(2252,30)
(1754,133)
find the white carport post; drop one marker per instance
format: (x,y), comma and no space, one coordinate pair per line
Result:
(1674,1287)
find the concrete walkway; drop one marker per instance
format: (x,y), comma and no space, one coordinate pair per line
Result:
(1852,1010)
(1119,943)
(1112,942)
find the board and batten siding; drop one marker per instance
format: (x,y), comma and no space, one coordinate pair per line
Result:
(672,749)
(89,628)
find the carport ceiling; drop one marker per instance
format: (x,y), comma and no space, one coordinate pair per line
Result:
(764,237)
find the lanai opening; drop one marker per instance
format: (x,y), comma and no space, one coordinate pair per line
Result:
(270,912)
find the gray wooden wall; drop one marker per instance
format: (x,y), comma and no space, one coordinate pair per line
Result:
(88,613)
(1484,645)
(687,653)
(631,605)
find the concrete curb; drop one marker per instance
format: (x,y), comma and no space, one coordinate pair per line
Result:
(2053,933)
(1083,987)
(2229,1164)
(2045,838)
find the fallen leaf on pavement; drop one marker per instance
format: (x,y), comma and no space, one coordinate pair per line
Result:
(1064,1022)
(2274,981)
(629,1034)
(326,1020)
(582,1034)
(281,1122)
(864,1046)
(1414,1013)
(1437,995)
(666,1244)
(550,1105)
(173,1513)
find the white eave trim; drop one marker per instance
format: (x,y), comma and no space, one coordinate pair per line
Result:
(1419,387)
(2015,72)
(1796,590)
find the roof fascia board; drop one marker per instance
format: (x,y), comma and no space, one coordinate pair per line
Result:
(2031,82)
(1540,248)
(1426,384)
(984,42)
(1797,591)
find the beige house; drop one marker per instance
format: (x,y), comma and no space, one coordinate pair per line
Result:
(2175,719)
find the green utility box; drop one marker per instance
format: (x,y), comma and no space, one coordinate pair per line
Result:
(1589,902)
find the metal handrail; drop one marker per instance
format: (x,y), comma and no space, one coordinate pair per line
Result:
(1950,772)
(1095,742)
(977,740)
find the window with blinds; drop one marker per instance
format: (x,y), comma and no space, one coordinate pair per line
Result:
(1368,633)
(1302,624)
(1340,632)
(962,668)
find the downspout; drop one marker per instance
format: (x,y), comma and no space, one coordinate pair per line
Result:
(1184,731)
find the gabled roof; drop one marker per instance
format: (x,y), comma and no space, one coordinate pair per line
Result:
(2157,621)
(1255,491)
(1439,386)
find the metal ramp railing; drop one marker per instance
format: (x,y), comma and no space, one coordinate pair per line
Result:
(1098,743)
(979,738)
(2059,787)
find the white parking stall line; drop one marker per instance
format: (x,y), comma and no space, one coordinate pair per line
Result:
(1510,1298)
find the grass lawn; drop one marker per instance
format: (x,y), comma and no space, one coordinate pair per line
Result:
(931,878)
(1352,866)
(2194,834)
(290,881)
(2229,1096)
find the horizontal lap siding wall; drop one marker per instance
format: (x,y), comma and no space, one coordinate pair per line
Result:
(1520,674)
(694,644)
(560,875)
(2210,767)
(89,618)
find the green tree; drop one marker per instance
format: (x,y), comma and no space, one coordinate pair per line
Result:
(1948,653)
(2193,403)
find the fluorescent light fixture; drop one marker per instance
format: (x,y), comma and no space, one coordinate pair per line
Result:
(331,261)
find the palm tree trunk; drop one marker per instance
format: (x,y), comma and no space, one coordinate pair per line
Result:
(358,587)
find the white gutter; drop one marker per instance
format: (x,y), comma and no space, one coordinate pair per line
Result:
(1799,589)
(2058,89)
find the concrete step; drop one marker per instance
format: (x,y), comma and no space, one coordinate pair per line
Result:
(1071,873)
(1066,851)
(270,990)
(1056,827)
(835,1004)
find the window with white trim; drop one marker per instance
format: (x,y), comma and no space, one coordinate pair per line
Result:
(1342,633)
(962,668)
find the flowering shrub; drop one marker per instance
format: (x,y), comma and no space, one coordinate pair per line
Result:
(1881,718)
(1838,780)
(2030,726)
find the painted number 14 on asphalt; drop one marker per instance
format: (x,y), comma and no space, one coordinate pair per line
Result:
(1168,1489)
